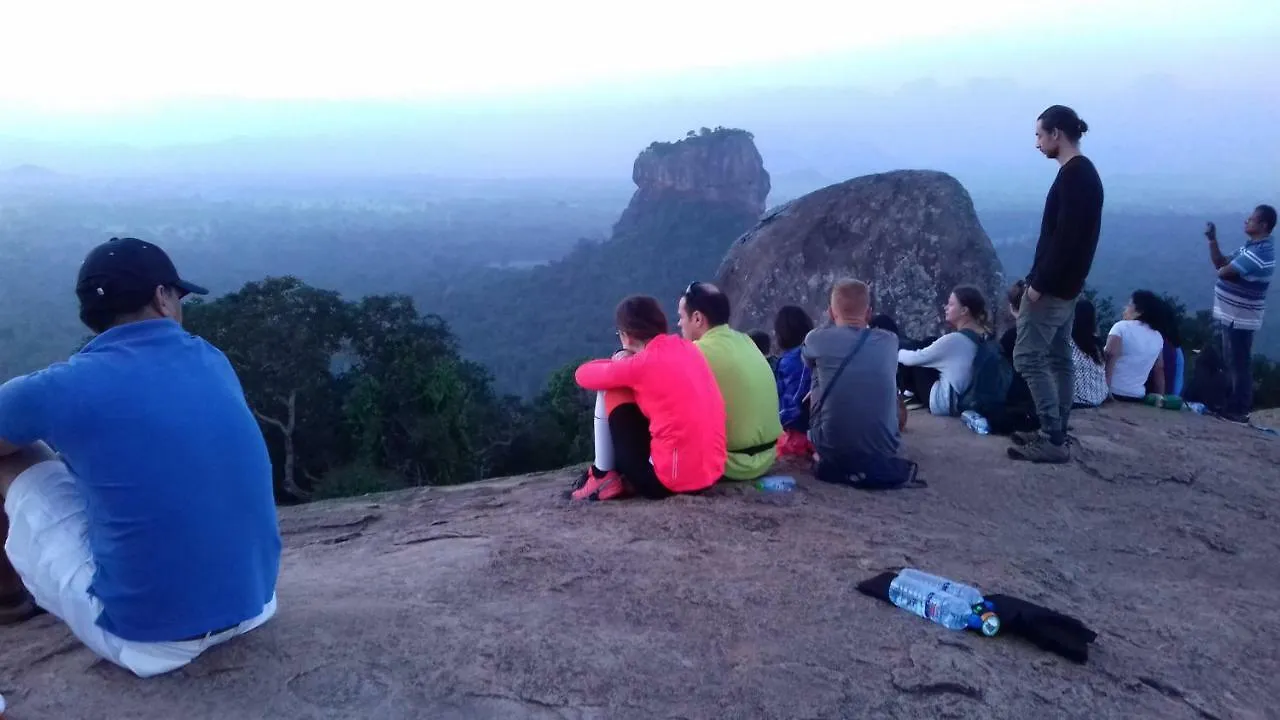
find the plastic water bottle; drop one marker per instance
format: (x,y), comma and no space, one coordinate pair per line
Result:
(777,483)
(971,595)
(919,598)
(986,611)
(975,422)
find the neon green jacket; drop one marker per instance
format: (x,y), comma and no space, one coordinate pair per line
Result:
(750,401)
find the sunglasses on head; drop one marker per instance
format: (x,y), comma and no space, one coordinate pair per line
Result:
(694,290)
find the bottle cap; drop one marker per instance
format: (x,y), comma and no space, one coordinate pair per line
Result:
(990,624)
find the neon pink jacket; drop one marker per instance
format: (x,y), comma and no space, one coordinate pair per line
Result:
(675,389)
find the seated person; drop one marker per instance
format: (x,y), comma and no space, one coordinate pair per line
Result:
(946,365)
(765,343)
(884,322)
(152,534)
(1088,368)
(1134,350)
(659,421)
(1019,413)
(1174,363)
(1171,354)
(745,379)
(853,422)
(791,325)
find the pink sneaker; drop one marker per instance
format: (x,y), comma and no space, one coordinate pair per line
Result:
(605,487)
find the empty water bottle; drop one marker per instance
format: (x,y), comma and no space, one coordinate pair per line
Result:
(975,422)
(967,593)
(777,483)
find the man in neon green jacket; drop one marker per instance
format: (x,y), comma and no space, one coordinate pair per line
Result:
(746,381)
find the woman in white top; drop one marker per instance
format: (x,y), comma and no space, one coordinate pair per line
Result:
(1134,350)
(952,354)
(1087,363)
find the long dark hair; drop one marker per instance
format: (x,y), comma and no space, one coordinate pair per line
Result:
(971,299)
(641,317)
(1151,310)
(791,326)
(1084,332)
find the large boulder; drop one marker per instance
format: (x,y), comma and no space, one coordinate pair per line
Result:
(912,234)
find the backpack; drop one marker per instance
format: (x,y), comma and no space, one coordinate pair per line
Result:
(992,377)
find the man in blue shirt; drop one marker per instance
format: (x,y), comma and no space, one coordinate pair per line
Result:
(1239,298)
(152,533)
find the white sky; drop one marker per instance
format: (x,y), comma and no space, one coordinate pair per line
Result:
(94,55)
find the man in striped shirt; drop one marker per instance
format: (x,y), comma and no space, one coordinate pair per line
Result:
(1239,299)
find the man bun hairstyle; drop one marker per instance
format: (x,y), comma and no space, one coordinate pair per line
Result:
(1064,120)
(641,318)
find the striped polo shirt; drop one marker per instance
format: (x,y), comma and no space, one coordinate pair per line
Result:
(1239,301)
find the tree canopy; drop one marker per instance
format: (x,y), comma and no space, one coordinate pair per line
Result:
(372,395)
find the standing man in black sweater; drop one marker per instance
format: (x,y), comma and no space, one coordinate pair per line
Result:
(1064,255)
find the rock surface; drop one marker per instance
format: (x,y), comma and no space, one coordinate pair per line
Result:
(718,166)
(501,600)
(912,234)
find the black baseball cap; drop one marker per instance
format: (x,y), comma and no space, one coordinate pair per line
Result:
(121,274)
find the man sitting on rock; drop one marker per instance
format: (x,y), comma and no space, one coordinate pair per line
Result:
(745,378)
(152,533)
(854,423)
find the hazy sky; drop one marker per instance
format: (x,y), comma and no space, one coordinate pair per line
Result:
(1179,93)
(76,56)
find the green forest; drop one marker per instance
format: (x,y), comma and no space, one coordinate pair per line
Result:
(371,395)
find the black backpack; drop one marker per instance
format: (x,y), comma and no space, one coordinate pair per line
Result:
(992,377)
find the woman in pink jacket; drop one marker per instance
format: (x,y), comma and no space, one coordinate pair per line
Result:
(659,420)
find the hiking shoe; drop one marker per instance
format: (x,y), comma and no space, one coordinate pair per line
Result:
(1234,418)
(1023,437)
(601,487)
(1042,451)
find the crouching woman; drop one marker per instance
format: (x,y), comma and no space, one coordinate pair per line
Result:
(659,418)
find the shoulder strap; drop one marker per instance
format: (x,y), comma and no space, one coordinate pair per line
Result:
(974,336)
(862,340)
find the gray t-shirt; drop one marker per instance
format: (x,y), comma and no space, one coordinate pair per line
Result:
(860,413)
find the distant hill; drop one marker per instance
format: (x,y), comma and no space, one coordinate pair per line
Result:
(693,198)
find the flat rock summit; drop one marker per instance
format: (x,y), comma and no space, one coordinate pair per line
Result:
(503,600)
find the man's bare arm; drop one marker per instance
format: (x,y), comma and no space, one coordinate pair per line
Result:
(1215,252)
(7,448)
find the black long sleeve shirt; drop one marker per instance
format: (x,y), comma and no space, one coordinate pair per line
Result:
(1068,231)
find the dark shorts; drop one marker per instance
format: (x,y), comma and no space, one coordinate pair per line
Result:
(629,429)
